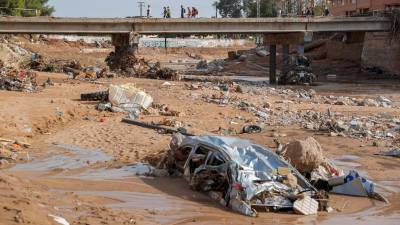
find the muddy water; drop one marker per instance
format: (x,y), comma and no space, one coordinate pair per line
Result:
(170,200)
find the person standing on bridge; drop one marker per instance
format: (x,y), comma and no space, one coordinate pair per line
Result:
(194,12)
(183,11)
(148,11)
(165,12)
(189,12)
(168,12)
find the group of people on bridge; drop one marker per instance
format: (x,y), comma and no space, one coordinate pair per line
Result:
(191,12)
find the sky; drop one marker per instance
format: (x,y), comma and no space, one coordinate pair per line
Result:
(124,8)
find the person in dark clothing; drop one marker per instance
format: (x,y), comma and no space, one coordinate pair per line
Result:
(308,12)
(194,12)
(326,12)
(183,11)
(148,11)
(168,12)
(165,12)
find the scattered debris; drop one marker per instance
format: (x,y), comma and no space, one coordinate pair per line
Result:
(213,66)
(10,150)
(161,129)
(355,185)
(59,219)
(12,79)
(306,206)
(301,73)
(129,65)
(392,153)
(250,129)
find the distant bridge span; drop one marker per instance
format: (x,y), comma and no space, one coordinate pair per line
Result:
(103,26)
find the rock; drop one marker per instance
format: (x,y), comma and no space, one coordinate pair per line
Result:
(304,155)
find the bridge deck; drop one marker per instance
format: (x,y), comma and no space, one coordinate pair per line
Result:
(51,25)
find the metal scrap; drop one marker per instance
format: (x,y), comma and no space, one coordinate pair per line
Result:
(245,174)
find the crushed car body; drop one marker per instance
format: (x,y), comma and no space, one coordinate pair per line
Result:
(238,173)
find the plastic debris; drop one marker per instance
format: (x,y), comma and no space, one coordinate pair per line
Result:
(355,185)
(129,97)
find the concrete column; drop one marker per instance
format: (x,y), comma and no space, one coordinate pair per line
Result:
(355,37)
(286,59)
(125,45)
(127,42)
(272,64)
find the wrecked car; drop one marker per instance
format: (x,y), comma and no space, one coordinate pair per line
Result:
(238,174)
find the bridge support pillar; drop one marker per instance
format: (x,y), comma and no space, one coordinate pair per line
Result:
(355,37)
(126,45)
(286,59)
(284,39)
(272,64)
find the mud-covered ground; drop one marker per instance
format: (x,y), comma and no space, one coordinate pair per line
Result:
(79,164)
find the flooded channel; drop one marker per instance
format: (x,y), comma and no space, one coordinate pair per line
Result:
(171,201)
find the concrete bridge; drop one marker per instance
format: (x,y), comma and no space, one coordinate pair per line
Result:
(126,32)
(50,25)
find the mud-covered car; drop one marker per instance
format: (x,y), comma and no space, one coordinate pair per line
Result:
(239,174)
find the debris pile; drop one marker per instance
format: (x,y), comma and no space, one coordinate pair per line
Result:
(130,66)
(10,149)
(249,178)
(283,113)
(307,156)
(216,65)
(12,79)
(239,174)
(301,73)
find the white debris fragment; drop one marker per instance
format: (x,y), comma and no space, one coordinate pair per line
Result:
(59,220)
(306,206)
